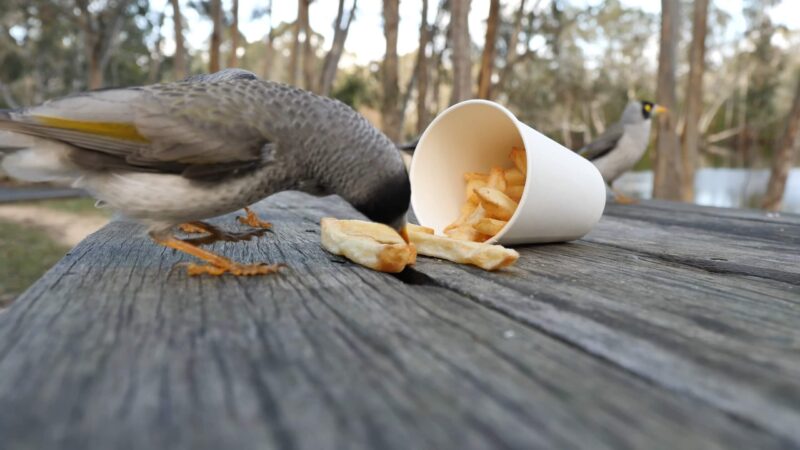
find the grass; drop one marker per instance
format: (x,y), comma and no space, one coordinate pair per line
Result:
(25,254)
(81,206)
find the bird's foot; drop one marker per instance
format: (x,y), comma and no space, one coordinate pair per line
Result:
(217,265)
(226,236)
(625,200)
(233,268)
(214,234)
(252,220)
(193,228)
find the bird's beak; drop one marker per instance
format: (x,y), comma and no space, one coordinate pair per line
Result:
(661,110)
(400,224)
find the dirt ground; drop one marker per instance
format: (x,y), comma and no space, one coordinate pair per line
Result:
(64,227)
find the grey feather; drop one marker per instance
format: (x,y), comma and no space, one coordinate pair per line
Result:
(222,75)
(603,143)
(234,141)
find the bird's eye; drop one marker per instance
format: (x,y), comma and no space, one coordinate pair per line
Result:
(647,107)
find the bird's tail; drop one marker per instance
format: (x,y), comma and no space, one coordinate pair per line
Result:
(32,158)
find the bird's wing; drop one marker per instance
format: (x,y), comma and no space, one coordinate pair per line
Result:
(177,128)
(603,143)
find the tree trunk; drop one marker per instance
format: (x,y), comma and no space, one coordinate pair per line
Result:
(296,56)
(100,32)
(667,167)
(180,51)
(233,57)
(390,109)
(694,99)
(157,57)
(216,36)
(511,53)
(309,62)
(784,156)
(462,65)
(95,72)
(269,54)
(487,59)
(331,63)
(422,70)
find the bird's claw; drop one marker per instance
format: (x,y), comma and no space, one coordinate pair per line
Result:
(233,268)
(625,200)
(252,220)
(190,228)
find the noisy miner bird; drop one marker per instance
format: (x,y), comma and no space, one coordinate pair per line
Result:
(178,153)
(622,144)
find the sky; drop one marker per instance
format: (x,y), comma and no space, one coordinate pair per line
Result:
(365,42)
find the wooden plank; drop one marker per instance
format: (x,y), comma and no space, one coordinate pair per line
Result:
(112,349)
(757,215)
(709,250)
(728,340)
(23,194)
(766,228)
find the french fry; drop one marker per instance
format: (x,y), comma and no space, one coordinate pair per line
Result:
(419,229)
(466,210)
(489,226)
(369,244)
(478,214)
(469,176)
(465,233)
(470,192)
(497,179)
(520,160)
(485,256)
(514,177)
(496,203)
(514,192)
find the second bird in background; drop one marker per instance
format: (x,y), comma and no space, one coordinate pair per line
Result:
(622,144)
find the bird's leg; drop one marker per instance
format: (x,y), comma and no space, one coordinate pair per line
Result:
(252,220)
(215,234)
(217,265)
(623,199)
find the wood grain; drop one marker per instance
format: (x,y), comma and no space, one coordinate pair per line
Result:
(589,344)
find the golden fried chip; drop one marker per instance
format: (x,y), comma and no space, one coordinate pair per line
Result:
(465,233)
(370,244)
(470,191)
(485,256)
(520,160)
(419,229)
(466,210)
(514,177)
(489,226)
(496,203)
(497,179)
(469,176)
(514,192)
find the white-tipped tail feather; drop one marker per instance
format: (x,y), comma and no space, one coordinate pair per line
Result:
(35,159)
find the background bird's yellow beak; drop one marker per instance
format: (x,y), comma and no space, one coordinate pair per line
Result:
(660,110)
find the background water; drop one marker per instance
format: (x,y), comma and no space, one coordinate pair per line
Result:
(730,188)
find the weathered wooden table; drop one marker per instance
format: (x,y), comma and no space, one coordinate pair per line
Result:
(667,327)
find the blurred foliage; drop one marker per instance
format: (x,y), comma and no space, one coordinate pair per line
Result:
(81,206)
(26,254)
(576,66)
(357,88)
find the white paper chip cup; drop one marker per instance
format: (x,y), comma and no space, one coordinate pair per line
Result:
(564,194)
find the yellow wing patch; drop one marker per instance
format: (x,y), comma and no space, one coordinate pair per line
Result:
(117,130)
